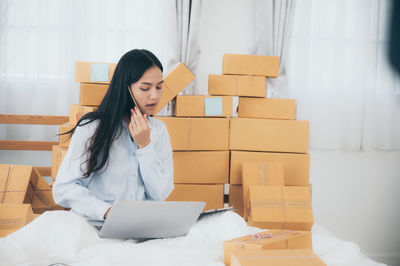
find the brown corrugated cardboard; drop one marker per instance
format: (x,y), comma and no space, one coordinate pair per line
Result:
(236,198)
(201,106)
(17,183)
(210,167)
(296,167)
(92,94)
(14,217)
(76,111)
(94,72)
(64,140)
(267,240)
(174,82)
(43,197)
(212,195)
(258,65)
(256,173)
(254,134)
(280,207)
(267,108)
(58,155)
(236,85)
(200,134)
(277,257)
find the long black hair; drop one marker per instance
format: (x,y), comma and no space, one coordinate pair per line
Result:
(115,105)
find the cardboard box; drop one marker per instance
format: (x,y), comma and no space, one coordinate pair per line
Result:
(43,197)
(252,134)
(58,155)
(212,195)
(260,173)
(276,257)
(14,217)
(214,106)
(236,198)
(296,167)
(197,134)
(235,85)
(210,167)
(174,82)
(17,183)
(280,207)
(64,140)
(94,72)
(258,65)
(267,108)
(267,240)
(92,94)
(76,111)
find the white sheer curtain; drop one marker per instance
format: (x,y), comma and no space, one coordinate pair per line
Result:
(273,24)
(339,73)
(41,39)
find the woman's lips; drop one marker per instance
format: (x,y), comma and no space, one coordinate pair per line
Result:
(151,106)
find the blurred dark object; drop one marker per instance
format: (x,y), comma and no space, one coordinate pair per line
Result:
(394,36)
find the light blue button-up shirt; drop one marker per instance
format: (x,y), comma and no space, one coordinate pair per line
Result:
(131,173)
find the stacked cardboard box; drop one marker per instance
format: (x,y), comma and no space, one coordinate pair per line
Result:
(19,188)
(269,161)
(199,143)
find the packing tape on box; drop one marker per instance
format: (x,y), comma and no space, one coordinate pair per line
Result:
(189,131)
(263,177)
(268,235)
(284,209)
(11,221)
(5,184)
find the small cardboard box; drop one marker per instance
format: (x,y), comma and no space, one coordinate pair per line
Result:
(256,173)
(235,85)
(212,195)
(252,134)
(17,183)
(58,155)
(76,111)
(296,167)
(14,217)
(276,257)
(64,140)
(92,94)
(197,134)
(257,65)
(201,106)
(280,207)
(43,197)
(211,167)
(94,72)
(174,82)
(267,108)
(236,198)
(267,240)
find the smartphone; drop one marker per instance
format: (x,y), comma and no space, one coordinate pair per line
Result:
(134,101)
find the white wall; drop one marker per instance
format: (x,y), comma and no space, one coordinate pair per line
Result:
(354,193)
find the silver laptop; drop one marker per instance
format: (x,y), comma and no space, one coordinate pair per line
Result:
(150,219)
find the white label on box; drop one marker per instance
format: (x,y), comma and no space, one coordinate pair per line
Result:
(99,72)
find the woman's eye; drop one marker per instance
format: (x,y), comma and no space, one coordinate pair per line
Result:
(144,89)
(159,88)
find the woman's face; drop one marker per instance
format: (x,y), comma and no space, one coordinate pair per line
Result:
(147,90)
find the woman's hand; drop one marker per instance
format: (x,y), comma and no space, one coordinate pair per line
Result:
(139,128)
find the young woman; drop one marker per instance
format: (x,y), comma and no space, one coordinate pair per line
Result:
(119,152)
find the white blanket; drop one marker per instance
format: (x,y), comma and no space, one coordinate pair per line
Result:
(65,237)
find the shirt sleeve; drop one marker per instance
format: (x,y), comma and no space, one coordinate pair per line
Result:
(69,189)
(156,166)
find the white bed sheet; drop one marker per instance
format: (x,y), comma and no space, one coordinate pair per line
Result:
(65,237)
